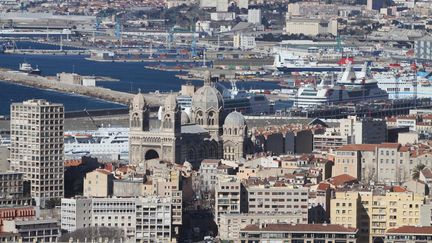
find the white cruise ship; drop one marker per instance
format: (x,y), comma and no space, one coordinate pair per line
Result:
(110,143)
(405,84)
(348,87)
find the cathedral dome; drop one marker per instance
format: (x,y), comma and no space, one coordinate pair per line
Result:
(138,101)
(207,97)
(235,119)
(170,102)
(184,118)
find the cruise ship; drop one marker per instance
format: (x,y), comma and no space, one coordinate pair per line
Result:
(348,87)
(107,144)
(401,85)
(288,62)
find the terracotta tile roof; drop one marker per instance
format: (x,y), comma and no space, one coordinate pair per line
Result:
(357,147)
(388,145)
(424,230)
(427,173)
(103,171)
(210,161)
(301,228)
(342,179)
(398,189)
(323,186)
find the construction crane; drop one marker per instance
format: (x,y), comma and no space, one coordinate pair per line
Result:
(91,118)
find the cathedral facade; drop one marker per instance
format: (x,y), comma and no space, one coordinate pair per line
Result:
(206,134)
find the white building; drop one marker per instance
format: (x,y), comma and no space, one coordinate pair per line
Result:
(37,147)
(141,218)
(227,196)
(208,3)
(254,16)
(244,42)
(423,48)
(221,5)
(243,4)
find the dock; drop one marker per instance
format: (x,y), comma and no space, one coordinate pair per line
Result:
(154,99)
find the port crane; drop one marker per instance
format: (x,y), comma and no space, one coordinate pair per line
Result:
(91,118)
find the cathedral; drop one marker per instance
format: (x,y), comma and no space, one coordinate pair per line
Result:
(208,133)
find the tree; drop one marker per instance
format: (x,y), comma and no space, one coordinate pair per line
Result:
(416,171)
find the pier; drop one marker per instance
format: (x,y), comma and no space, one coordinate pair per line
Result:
(154,99)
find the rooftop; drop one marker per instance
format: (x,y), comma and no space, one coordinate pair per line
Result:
(424,230)
(302,228)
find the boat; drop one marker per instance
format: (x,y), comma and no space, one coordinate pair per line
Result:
(400,84)
(106,143)
(27,68)
(288,63)
(346,88)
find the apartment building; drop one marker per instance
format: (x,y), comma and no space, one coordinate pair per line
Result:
(227,196)
(372,212)
(37,147)
(293,233)
(141,218)
(208,172)
(98,183)
(33,230)
(231,224)
(276,198)
(423,48)
(384,163)
(11,184)
(409,234)
(329,140)
(363,130)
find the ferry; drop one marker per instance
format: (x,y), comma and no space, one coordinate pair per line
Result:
(107,143)
(27,68)
(401,84)
(348,87)
(288,63)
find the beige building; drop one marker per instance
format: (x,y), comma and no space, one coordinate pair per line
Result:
(373,211)
(227,196)
(98,183)
(231,224)
(364,130)
(311,27)
(385,163)
(293,233)
(37,147)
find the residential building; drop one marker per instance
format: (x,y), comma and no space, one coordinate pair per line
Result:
(98,183)
(231,224)
(374,211)
(37,147)
(11,184)
(426,214)
(33,230)
(279,197)
(310,27)
(387,162)
(292,233)
(364,130)
(208,172)
(254,16)
(221,5)
(329,141)
(15,212)
(423,48)
(227,196)
(409,234)
(244,42)
(141,218)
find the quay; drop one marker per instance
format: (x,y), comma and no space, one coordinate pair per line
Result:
(154,99)
(374,109)
(47,52)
